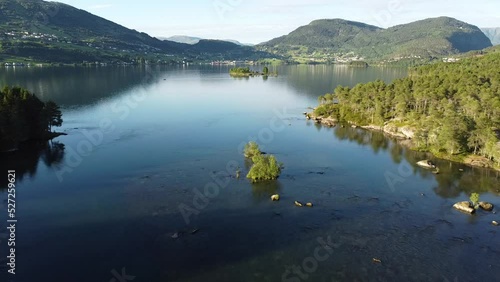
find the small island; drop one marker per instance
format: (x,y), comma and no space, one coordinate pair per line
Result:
(358,64)
(246,72)
(265,167)
(23,117)
(448,109)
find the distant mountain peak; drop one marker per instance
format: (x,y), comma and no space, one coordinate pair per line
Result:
(493,34)
(183,39)
(191,40)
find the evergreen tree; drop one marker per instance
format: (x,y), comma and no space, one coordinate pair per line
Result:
(453,107)
(53,114)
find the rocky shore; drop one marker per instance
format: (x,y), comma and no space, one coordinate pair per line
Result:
(404,134)
(400,133)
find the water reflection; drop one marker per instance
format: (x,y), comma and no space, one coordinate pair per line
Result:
(25,160)
(453,179)
(76,86)
(316,80)
(129,190)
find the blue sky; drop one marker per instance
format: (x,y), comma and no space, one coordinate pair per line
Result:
(256,21)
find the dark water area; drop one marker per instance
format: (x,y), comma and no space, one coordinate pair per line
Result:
(144,185)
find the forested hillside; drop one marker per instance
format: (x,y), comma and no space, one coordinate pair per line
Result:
(453,108)
(42,31)
(422,39)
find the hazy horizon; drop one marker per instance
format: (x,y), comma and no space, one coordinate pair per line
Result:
(259,21)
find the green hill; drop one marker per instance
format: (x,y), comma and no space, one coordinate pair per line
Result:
(219,49)
(51,31)
(493,34)
(40,31)
(340,38)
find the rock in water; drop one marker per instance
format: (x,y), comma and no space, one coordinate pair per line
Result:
(298,204)
(486,206)
(309,205)
(494,223)
(275,197)
(426,164)
(464,206)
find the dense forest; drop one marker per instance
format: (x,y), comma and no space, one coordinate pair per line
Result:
(452,108)
(24,117)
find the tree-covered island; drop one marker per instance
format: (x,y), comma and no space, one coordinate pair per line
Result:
(449,109)
(264,167)
(24,117)
(246,72)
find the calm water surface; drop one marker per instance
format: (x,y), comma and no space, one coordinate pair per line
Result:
(123,191)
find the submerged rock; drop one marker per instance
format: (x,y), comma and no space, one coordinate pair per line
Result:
(275,197)
(426,164)
(486,206)
(464,206)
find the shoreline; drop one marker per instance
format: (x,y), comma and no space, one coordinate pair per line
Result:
(47,137)
(405,135)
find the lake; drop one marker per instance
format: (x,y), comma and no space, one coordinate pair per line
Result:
(143,187)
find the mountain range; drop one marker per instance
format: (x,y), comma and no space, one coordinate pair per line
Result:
(426,38)
(56,32)
(41,31)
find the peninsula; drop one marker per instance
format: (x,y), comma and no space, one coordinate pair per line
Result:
(448,109)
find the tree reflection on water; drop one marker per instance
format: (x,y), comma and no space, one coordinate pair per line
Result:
(25,161)
(453,179)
